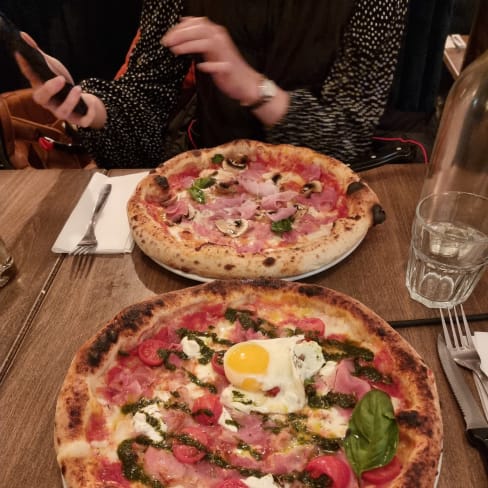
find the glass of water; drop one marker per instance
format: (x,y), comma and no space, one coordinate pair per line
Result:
(449,248)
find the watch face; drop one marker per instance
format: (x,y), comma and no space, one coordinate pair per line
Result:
(268,89)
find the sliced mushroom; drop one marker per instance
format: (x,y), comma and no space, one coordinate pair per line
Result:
(276,178)
(314,186)
(232,227)
(301,211)
(225,187)
(191,212)
(239,163)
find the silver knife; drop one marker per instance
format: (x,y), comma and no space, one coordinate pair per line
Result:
(476,424)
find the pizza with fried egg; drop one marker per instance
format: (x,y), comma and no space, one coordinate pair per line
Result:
(247,209)
(260,384)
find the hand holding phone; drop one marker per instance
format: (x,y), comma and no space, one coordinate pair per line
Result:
(10,36)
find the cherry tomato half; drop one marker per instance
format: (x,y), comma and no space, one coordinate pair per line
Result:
(148,351)
(207,409)
(384,474)
(333,467)
(232,483)
(190,454)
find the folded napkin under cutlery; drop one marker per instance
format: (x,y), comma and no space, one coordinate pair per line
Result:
(476,424)
(112,228)
(480,340)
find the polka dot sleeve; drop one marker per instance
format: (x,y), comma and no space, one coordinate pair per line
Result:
(139,104)
(342,120)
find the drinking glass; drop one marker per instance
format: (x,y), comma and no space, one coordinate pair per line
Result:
(7,268)
(449,248)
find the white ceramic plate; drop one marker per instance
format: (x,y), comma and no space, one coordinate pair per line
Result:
(205,279)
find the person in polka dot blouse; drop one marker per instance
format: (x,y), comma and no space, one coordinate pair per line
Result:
(313,73)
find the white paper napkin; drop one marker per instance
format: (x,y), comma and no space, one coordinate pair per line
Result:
(480,340)
(112,229)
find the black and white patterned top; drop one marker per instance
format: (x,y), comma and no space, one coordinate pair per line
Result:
(339,120)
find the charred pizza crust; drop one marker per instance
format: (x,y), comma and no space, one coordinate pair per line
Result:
(184,250)
(418,416)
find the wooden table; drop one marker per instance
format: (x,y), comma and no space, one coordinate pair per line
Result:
(31,216)
(66,310)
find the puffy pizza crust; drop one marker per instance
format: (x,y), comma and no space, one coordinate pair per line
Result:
(419,419)
(192,255)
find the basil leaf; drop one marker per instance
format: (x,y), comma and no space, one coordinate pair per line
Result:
(372,438)
(217,158)
(281,226)
(197,194)
(197,187)
(202,183)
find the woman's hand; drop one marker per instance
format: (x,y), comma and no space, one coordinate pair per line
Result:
(43,93)
(222,60)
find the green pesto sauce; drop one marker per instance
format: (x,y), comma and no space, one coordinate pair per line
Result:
(253,452)
(233,422)
(203,411)
(165,355)
(343,400)
(131,468)
(172,405)
(246,319)
(335,350)
(134,407)
(297,422)
(323,481)
(191,334)
(237,396)
(370,373)
(194,379)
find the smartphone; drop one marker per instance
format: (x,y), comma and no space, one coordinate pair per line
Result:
(12,40)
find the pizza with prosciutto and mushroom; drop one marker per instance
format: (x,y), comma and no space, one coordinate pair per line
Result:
(259,384)
(251,210)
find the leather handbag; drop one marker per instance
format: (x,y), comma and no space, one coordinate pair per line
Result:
(31,136)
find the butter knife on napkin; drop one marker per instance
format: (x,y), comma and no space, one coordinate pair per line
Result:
(476,424)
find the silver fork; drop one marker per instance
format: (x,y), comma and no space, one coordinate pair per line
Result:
(459,342)
(89,241)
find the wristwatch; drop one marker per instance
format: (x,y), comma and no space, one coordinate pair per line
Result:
(267,90)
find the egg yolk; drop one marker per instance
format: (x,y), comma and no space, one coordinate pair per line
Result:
(247,359)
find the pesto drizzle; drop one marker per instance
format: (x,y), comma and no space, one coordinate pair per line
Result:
(246,319)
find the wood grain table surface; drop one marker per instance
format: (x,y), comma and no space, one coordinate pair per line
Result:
(33,208)
(69,309)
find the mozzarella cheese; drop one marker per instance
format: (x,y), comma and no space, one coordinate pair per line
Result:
(225,420)
(141,425)
(264,482)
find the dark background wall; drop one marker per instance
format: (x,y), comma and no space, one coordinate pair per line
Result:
(90,37)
